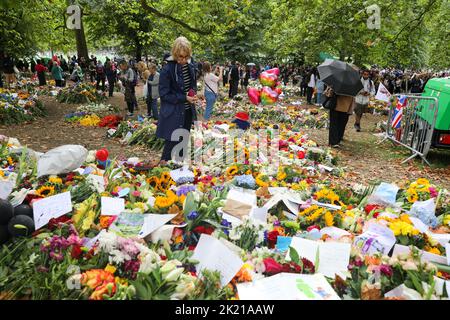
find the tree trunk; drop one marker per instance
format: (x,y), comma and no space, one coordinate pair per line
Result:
(80,37)
(138,50)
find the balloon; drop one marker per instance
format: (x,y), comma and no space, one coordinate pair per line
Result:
(102,155)
(268,79)
(275,71)
(268,96)
(254,95)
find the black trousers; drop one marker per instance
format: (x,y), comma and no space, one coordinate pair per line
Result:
(111,82)
(59,83)
(338,122)
(169,145)
(234,85)
(309,93)
(42,80)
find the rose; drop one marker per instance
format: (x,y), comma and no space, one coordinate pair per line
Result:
(272,238)
(370,207)
(272,267)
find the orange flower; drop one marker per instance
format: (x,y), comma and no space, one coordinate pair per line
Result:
(372,260)
(244,274)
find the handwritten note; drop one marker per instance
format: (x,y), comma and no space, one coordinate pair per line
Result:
(334,232)
(288,286)
(292,206)
(51,207)
(246,197)
(112,206)
(213,255)
(334,258)
(153,222)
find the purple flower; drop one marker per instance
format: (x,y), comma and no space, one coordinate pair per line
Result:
(276,223)
(58,256)
(192,215)
(184,190)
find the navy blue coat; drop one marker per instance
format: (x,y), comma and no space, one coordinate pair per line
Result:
(173,98)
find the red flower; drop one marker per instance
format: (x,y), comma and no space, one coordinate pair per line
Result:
(370,207)
(272,238)
(205,230)
(76,251)
(272,267)
(301,154)
(313,227)
(191,248)
(54,222)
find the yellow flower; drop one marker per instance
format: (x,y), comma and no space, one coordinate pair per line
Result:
(316,215)
(327,194)
(260,182)
(231,171)
(412,195)
(446,220)
(110,268)
(402,228)
(165,177)
(45,191)
(2,174)
(55,180)
(423,182)
(281,175)
(434,250)
(328,219)
(10,161)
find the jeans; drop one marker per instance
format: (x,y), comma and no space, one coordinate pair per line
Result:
(210,100)
(169,145)
(319,98)
(152,108)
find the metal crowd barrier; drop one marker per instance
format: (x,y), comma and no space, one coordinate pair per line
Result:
(415,133)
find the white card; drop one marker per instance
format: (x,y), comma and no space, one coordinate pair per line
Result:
(112,206)
(334,257)
(6,187)
(288,286)
(246,197)
(51,207)
(305,249)
(259,214)
(234,221)
(153,222)
(275,190)
(377,238)
(439,285)
(326,205)
(442,238)
(273,201)
(213,255)
(419,225)
(292,206)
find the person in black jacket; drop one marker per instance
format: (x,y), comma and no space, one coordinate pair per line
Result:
(178,94)
(234,80)
(111,74)
(8,69)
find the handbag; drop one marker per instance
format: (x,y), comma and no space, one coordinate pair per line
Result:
(330,102)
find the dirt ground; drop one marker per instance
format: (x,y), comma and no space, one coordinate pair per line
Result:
(364,159)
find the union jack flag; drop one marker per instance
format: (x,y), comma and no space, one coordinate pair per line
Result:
(398,112)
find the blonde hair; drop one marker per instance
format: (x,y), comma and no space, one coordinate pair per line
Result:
(146,74)
(181,45)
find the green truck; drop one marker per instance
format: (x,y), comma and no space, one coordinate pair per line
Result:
(440,89)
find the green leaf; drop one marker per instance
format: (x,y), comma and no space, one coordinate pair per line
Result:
(293,254)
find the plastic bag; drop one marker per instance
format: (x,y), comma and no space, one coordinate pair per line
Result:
(63,159)
(425,211)
(385,194)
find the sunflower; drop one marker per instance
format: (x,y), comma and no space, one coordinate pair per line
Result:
(261,180)
(154,182)
(45,191)
(412,196)
(231,171)
(165,177)
(328,219)
(55,180)
(281,175)
(434,250)
(2,174)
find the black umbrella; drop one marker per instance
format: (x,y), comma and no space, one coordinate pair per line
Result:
(341,76)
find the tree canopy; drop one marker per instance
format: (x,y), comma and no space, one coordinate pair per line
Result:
(412,33)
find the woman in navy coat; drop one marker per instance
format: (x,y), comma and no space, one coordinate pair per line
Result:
(178,94)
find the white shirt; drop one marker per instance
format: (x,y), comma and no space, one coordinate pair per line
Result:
(312,81)
(212,81)
(368,87)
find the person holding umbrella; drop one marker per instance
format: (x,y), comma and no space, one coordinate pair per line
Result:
(343,85)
